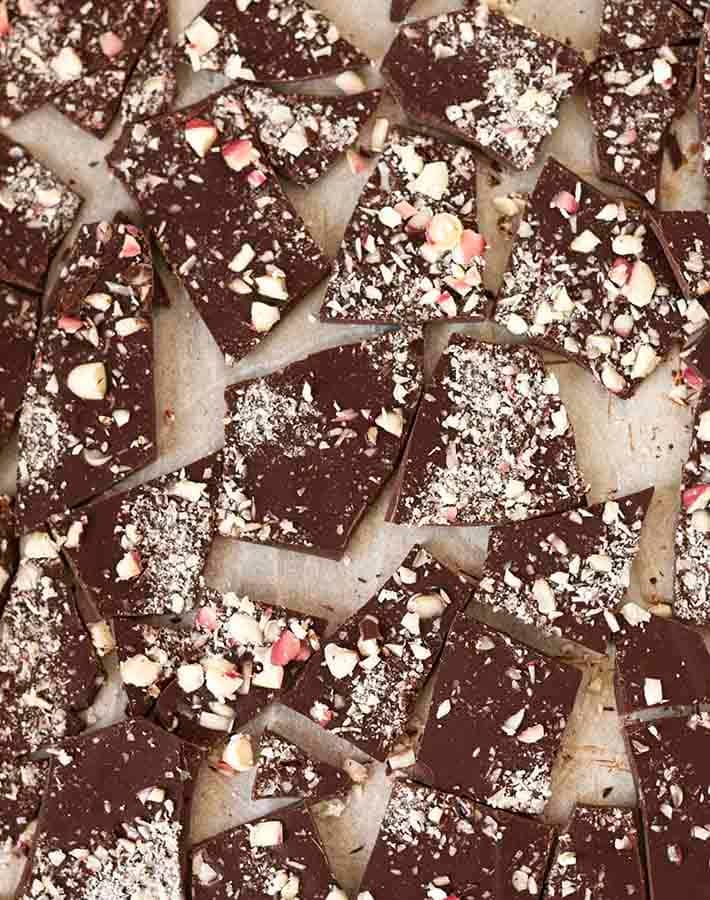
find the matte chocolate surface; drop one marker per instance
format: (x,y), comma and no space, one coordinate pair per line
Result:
(22,786)
(19,312)
(685,238)
(412,251)
(308,449)
(491,442)
(399,9)
(588,278)
(365,682)
(567,574)
(89,414)
(9,547)
(493,82)
(497,718)
(285,770)
(629,25)
(220,217)
(152,85)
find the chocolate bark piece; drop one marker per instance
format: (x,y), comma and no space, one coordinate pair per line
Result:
(48,670)
(567,574)
(303,135)
(412,251)
(588,278)
(491,442)
(695,363)
(88,419)
(36,212)
(262,859)
(220,217)
(691,601)
(19,313)
(399,9)
(697,8)
(113,820)
(492,82)
(309,449)
(143,552)
(633,99)
(152,85)
(285,770)
(270,40)
(598,855)
(670,762)
(9,547)
(659,662)
(497,719)
(365,682)
(431,841)
(630,25)
(704,96)
(685,238)
(22,786)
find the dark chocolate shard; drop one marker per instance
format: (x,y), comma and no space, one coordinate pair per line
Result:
(697,8)
(491,442)
(9,547)
(399,9)
(704,96)
(364,683)
(490,81)
(412,251)
(567,574)
(309,449)
(695,364)
(631,25)
(22,787)
(19,313)
(685,238)
(285,770)
(498,716)
(152,85)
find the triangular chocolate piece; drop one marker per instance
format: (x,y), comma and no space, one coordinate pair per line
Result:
(629,25)
(285,770)
(152,85)
(9,547)
(19,315)
(695,364)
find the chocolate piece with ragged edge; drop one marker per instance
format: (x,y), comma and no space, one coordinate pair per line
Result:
(567,574)
(88,419)
(399,9)
(412,251)
(114,822)
(658,662)
(598,855)
(588,278)
(48,670)
(365,682)
(279,855)
(629,25)
(704,96)
(303,135)
(490,81)
(691,589)
(309,449)
(152,85)
(285,770)
(22,786)
(9,547)
(433,844)
(36,212)
(220,217)
(632,99)
(491,442)
(697,8)
(19,313)
(497,719)
(685,238)
(143,552)
(267,40)
(695,364)
(670,761)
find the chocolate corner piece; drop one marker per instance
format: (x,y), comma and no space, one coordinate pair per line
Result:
(285,770)
(152,86)
(19,314)
(632,25)
(22,786)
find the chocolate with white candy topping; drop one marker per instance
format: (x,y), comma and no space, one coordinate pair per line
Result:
(9,547)
(285,770)
(152,85)
(143,552)
(497,718)
(695,364)
(685,238)
(493,82)
(588,278)
(697,8)
(628,25)
(19,313)
(491,442)
(436,845)
(412,251)
(364,683)
(22,786)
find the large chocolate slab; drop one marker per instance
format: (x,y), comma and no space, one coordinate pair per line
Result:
(629,25)
(491,442)
(9,547)
(486,79)
(365,682)
(497,718)
(152,85)
(412,251)
(309,449)
(283,769)
(220,217)
(19,313)
(22,786)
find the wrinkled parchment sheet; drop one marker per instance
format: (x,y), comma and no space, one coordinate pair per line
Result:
(623,445)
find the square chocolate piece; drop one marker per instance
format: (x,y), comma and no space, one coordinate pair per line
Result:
(283,769)
(22,786)
(19,314)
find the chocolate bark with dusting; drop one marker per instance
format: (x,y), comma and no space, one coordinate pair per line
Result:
(365,682)
(48,670)
(588,278)
(88,419)
(19,314)
(143,552)
(22,786)
(9,547)
(697,8)
(567,574)
(670,759)
(412,251)
(484,78)
(497,718)
(267,40)
(433,844)
(598,855)
(685,238)
(220,217)
(152,85)
(630,25)
(285,770)
(491,442)
(309,449)
(692,540)
(303,135)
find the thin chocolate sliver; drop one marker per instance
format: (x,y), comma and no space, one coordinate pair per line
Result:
(19,314)
(9,547)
